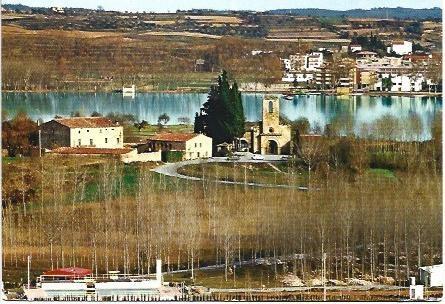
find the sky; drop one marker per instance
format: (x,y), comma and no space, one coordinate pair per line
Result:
(258,5)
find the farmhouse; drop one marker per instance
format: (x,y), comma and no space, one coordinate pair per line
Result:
(191,145)
(91,132)
(269,136)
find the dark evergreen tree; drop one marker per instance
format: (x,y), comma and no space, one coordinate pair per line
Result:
(222,116)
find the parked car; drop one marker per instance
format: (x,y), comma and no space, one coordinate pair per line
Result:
(257,157)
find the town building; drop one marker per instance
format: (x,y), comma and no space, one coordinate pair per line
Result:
(297,62)
(366,54)
(418,58)
(90,132)
(432,276)
(323,77)
(365,80)
(344,86)
(313,61)
(304,78)
(400,83)
(355,48)
(189,145)
(269,136)
(401,47)
(58,10)
(79,284)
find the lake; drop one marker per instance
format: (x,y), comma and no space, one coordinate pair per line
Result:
(319,110)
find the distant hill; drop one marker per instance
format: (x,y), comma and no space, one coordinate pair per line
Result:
(16,7)
(380,12)
(20,8)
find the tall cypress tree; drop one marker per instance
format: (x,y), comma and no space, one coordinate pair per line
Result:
(222,116)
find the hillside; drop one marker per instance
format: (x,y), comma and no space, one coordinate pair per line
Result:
(381,12)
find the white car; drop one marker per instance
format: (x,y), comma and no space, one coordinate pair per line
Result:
(258,157)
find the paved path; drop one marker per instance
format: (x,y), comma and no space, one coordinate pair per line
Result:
(171,169)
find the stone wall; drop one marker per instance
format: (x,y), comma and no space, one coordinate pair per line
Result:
(134,156)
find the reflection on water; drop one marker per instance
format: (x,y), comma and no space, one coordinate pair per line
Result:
(318,110)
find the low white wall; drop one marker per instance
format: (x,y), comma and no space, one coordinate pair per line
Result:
(133,156)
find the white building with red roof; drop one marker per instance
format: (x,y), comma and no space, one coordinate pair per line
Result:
(82,132)
(191,145)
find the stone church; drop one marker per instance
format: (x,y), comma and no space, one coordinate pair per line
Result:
(268,136)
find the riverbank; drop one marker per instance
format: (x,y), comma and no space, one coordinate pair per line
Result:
(261,91)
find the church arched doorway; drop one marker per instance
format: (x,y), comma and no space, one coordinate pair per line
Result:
(272,147)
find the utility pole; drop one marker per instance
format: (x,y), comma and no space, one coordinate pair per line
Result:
(324,277)
(234,280)
(29,267)
(40,139)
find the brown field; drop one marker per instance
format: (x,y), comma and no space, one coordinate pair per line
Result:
(181,34)
(300,35)
(103,61)
(216,19)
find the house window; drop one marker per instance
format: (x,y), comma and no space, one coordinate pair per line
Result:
(100,130)
(106,140)
(79,131)
(196,145)
(197,154)
(91,141)
(117,140)
(80,142)
(88,130)
(271,106)
(200,145)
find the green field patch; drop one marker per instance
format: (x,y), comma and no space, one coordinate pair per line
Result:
(381,172)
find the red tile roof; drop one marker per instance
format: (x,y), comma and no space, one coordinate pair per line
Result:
(87,122)
(180,137)
(69,272)
(85,150)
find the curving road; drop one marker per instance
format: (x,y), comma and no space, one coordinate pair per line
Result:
(171,169)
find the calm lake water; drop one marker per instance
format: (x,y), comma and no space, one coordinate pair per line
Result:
(318,110)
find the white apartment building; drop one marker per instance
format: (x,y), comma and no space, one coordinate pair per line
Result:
(297,62)
(401,83)
(298,77)
(355,48)
(313,61)
(90,132)
(401,47)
